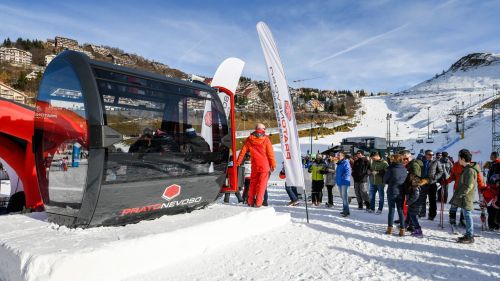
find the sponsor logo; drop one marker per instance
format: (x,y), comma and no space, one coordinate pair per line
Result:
(171,192)
(160,206)
(288,110)
(208,119)
(280,113)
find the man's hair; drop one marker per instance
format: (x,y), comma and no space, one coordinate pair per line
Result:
(396,158)
(465,154)
(444,154)
(494,154)
(374,153)
(404,152)
(427,151)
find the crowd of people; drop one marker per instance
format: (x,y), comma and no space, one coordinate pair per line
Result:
(412,184)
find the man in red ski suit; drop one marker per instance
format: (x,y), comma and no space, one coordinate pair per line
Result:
(262,161)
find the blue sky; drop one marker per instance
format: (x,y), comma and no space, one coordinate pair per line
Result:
(378,45)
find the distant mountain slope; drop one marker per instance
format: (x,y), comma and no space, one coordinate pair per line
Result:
(470,73)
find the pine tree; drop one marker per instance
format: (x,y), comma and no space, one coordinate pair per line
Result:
(342,110)
(21,81)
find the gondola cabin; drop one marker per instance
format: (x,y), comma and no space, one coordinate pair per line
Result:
(115,145)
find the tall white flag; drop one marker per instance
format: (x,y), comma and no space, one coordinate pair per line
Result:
(228,76)
(283,107)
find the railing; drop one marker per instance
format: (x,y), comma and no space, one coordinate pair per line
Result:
(300,127)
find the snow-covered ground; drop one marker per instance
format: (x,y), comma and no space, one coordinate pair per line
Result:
(229,242)
(334,248)
(33,249)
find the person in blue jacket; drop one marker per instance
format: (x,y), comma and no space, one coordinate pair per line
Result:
(395,178)
(343,181)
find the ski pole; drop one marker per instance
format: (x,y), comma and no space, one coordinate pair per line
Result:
(441,219)
(305,199)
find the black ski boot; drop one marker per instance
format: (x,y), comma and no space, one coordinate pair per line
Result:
(360,206)
(367,205)
(466,239)
(453,218)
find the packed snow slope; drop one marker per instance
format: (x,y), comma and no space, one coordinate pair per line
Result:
(468,84)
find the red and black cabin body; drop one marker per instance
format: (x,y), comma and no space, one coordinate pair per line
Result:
(115,145)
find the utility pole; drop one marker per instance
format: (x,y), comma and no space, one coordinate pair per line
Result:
(388,118)
(428,122)
(311,134)
(495,121)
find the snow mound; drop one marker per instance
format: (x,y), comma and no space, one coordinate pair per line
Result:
(33,249)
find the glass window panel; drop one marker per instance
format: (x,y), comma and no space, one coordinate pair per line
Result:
(165,134)
(61,118)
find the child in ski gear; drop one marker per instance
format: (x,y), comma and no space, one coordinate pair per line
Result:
(317,170)
(414,167)
(395,178)
(464,194)
(413,185)
(343,181)
(262,161)
(360,176)
(377,168)
(330,168)
(291,191)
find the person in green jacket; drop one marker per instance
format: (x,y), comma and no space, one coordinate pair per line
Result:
(317,170)
(376,172)
(463,197)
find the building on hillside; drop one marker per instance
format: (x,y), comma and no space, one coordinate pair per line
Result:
(50,43)
(313,105)
(65,43)
(10,93)
(103,51)
(124,59)
(251,93)
(32,75)
(37,70)
(15,56)
(256,106)
(160,66)
(49,58)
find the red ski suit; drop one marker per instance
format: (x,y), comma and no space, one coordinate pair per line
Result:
(262,161)
(455,172)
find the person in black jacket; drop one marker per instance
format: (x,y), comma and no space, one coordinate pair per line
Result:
(395,178)
(433,172)
(360,176)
